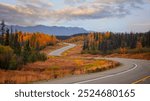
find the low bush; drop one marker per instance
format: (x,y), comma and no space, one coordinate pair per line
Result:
(36,56)
(8,59)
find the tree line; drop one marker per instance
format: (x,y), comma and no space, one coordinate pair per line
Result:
(109,42)
(18,48)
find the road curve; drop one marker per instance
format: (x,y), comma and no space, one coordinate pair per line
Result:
(58,52)
(131,71)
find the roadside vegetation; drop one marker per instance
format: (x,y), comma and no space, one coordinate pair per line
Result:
(145,56)
(18,48)
(122,44)
(55,67)
(76,38)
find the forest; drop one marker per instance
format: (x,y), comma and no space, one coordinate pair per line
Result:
(19,48)
(109,42)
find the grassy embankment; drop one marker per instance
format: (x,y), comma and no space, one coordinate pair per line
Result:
(144,53)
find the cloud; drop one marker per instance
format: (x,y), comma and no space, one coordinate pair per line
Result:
(37,3)
(31,12)
(25,12)
(90,13)
(97,9)
(142,24)
(72,2)
(13,14)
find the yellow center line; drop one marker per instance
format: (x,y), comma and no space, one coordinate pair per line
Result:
(140,80)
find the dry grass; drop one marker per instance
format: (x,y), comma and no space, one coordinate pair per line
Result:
(145,56)
(13,77)
(55,67)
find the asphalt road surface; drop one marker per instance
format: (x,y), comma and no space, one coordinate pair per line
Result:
(130,71)
(58,52)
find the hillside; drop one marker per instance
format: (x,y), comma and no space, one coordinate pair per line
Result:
(56,30)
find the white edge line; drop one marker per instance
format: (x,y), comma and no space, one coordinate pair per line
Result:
(135,66)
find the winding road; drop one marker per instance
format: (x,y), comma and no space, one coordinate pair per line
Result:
(58,52)
(130,71)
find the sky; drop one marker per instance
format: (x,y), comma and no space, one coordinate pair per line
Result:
(93,15)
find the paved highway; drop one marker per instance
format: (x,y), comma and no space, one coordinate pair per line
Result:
(130,71)
(58,52)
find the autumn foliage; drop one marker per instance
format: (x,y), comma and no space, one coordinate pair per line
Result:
(106,43)
(76,38)
(36,39)
(17,48)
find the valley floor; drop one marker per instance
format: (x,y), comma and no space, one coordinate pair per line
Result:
(70,63)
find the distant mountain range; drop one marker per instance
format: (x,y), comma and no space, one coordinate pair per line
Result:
(55,30)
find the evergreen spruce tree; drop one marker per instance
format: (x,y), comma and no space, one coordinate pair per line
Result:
(26,52)
(2,29)
(7,38)
(16,45)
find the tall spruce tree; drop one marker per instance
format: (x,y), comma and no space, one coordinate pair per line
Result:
(7,38)
(16,45)
(26,52)
(2,29)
